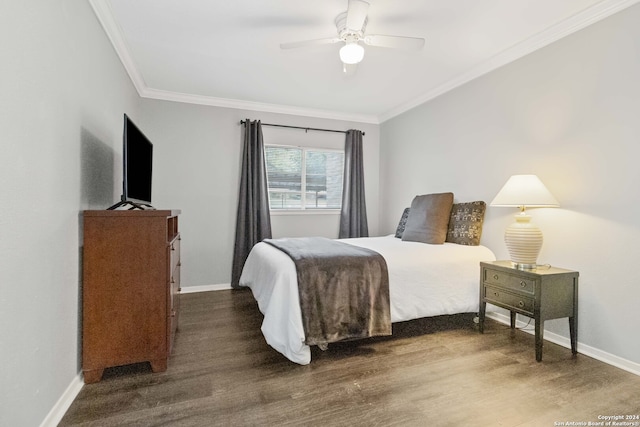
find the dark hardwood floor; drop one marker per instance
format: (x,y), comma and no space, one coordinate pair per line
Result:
(435,372)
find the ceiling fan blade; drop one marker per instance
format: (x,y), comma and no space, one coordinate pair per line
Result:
(349,69)
(305,43)
(395,42)
(356,14)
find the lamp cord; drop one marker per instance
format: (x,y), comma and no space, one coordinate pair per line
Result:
(523,328)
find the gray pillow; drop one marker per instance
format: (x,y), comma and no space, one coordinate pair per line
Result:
(428,218)
(465,224)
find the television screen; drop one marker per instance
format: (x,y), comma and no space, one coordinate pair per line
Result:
(138,161)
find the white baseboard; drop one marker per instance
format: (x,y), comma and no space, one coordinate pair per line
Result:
(62,405)
(205,288)
(587,350)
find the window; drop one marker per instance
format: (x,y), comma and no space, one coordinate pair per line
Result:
(304,178)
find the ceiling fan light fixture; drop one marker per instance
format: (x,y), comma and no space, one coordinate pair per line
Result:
(351,53)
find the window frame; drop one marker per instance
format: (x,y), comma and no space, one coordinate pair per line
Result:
(303,210)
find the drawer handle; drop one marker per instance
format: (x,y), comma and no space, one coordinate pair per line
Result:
(496,294)
(173,248)
(173,313)
(495,277)
(521,304)
(523,284)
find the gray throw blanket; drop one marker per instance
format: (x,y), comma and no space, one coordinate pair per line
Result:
(344,289)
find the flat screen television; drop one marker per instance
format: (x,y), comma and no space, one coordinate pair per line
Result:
(137,155)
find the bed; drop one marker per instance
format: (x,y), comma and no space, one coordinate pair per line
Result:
(424,280)
(432,262)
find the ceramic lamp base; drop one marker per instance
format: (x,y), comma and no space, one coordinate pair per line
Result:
(524,241)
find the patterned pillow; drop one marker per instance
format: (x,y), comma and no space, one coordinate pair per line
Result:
(402,223)
(465,223)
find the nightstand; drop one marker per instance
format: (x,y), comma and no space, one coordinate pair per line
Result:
(542,294)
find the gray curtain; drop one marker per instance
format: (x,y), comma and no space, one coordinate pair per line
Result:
(353,218)
(253,222)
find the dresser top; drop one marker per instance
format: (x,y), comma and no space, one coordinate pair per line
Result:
(134,212)
(542,270)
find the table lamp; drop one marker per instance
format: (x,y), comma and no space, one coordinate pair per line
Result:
(523,238)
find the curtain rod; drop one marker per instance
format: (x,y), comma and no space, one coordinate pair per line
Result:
(300,127)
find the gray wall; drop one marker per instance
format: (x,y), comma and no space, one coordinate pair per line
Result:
(197,155)
(570,114)
(63,93)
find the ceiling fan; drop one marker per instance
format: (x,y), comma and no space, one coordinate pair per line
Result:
(351,27)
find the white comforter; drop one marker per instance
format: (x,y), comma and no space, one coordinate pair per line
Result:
(424,280)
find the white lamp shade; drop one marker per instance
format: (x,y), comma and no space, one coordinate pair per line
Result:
(351,53)
(524,190)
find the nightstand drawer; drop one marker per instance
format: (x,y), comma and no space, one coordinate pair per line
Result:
(495,277)
(505,299)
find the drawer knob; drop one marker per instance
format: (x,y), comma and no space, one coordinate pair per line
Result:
(521,304)
(523,283)
(495,277)
(496,294)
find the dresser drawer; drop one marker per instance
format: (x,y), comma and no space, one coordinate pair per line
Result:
(509,300)
(500,278)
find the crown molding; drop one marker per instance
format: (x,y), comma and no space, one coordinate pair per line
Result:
(551,34)
(254,106)
(555,32)
(102,9)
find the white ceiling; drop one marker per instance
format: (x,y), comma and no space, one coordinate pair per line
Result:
(227,52)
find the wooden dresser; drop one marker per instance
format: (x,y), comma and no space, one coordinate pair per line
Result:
(130,289)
